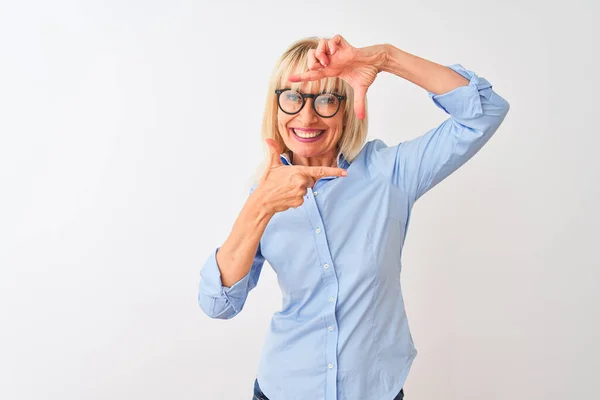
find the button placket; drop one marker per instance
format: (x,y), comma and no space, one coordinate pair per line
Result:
(332,286)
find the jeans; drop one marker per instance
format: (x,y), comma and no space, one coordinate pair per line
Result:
(259,395)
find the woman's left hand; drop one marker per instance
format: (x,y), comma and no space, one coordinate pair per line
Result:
(357,66)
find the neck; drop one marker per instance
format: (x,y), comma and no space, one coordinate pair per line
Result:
(319,161)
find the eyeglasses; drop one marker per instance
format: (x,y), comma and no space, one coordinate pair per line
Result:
(326,105)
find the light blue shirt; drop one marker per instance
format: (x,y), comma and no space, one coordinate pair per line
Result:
(342,331)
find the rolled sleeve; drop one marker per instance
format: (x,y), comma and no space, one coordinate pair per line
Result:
(464,101)
(224,302)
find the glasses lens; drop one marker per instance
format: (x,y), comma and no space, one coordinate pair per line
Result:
(290,101)
(326,104)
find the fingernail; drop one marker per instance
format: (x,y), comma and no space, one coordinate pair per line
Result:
(344,173)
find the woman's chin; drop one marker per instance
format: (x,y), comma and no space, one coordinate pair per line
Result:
(306,151)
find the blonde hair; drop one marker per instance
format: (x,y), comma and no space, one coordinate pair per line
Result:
(295,61)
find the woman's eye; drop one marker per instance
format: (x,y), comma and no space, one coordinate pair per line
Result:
(327,100)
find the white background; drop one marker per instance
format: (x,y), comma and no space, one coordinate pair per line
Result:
(122,168)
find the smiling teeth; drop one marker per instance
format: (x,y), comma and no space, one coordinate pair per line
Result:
(307,135)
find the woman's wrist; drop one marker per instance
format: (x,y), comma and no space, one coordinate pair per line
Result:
(259,207)
(376,55)
(395,60)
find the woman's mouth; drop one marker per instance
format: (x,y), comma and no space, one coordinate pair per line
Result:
(307,135)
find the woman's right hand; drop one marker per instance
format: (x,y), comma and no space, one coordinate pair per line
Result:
(282,187)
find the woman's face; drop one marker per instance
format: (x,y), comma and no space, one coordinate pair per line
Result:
(307,122)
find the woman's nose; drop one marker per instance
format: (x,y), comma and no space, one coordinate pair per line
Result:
(307,114)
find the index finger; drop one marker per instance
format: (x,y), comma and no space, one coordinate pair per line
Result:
(307,76)
(320,172)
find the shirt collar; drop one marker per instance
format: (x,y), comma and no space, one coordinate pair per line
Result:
(341,160)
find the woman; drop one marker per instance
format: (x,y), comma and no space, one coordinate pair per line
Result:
(330,214)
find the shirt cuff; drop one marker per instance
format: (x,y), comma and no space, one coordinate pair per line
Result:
(212,285)
(464,101)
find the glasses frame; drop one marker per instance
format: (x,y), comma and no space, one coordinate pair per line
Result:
(304,96)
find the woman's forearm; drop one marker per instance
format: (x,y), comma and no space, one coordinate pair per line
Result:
(429,75)
(235,256)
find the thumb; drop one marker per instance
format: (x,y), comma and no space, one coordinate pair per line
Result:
(360,94)
(275,151)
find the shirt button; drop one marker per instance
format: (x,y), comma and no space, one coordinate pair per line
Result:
(330,365)
(326,266)
(331,328)
(316,193)
(318,230)
(331,298)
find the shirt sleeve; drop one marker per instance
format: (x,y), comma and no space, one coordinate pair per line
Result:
(476,111)
(223,302)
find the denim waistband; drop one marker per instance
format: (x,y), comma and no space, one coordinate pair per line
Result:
(259,395)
